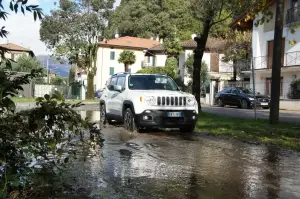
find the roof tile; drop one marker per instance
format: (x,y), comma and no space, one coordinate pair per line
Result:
(133,42)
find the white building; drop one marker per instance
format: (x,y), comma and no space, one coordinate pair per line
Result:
(220,72)
(262,46)
(108,55)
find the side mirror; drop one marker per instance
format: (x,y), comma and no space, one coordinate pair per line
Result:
(118,88)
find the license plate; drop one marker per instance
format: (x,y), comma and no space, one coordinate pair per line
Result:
(174,114)
(264,104)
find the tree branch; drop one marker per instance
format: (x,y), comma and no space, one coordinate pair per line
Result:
(221,20)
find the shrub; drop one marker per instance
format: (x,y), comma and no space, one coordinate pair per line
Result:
(294,92)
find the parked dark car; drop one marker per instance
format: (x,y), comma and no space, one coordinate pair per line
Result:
(98,93)
(241,97)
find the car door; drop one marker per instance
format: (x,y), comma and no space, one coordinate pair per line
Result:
(226,95)
(109,95)
(117,97)
(234,97)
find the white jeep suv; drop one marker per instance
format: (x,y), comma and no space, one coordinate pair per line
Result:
(147,101)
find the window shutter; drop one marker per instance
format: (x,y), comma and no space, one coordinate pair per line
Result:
(111,70)
(214,62)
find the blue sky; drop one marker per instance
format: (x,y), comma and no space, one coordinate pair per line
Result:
(24,31)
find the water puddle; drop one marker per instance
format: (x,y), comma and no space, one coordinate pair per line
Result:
(170,165)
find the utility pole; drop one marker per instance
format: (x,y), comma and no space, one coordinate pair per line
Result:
(48,70)
(276,64)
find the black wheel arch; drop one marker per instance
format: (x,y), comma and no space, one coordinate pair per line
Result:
(102,102)
(127,104)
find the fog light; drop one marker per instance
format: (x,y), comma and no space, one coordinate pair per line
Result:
(145,117)
(148,111)
(194,117)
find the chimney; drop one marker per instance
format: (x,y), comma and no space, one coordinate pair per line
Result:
(117,35)
(157,38)
(161,41)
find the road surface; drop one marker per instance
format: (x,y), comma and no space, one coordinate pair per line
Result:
(285,116)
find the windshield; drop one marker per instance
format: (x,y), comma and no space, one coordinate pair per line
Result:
(151,82)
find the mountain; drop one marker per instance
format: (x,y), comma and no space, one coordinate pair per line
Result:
(61,69)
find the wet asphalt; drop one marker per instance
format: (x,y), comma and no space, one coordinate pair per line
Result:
(168,164)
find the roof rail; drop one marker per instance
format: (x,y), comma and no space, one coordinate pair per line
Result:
(121,73)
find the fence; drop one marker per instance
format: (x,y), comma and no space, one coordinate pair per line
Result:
(68,92)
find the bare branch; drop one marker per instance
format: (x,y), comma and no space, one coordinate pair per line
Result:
(221,20)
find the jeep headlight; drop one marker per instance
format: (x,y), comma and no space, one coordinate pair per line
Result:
(150,100)
(190,101)
(251,98)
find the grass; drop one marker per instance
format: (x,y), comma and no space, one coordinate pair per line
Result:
(286,135)
(33,100)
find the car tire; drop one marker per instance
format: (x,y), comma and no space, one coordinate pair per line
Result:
(220,103)
(188,129)
(103,118)
(129,122)
(244,104)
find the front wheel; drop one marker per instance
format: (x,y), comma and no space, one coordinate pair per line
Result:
(188,129)
(220,103)
(129,122)
(103,118)
(244,104)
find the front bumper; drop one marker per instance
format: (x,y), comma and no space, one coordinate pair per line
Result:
(260,104)
(160,119)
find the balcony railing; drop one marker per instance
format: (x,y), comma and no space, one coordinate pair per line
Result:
(289,59)
(292,15)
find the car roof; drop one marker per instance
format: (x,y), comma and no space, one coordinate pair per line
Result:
(140,74)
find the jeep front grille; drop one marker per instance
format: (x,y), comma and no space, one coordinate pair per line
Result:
(171,101)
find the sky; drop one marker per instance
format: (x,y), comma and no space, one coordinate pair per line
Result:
(24,31)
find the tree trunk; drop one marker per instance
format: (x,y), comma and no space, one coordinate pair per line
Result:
(198,55)
(276,64)
(90,87)
(126,67)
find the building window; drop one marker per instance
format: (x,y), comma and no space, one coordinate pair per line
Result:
(268,86)
(111,70)
(112,55)
(148,59)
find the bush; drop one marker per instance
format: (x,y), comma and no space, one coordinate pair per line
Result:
(39,140)
(294,92)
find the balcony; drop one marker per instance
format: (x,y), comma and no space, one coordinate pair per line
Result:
(290,59)
(292,16)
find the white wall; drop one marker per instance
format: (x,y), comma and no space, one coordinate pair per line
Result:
(224,67)
(160,59)
(104,63)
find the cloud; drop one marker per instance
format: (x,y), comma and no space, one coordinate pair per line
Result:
(24,31)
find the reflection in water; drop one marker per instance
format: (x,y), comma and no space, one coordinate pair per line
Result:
(167,165)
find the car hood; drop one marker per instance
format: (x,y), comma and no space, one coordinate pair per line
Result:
(258,96)
(161,93)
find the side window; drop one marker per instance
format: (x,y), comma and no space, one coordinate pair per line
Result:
(227,90)
(234,91)
(121,82)
(113,82)
(112,55)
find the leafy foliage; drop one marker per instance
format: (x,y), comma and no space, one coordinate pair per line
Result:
(60,81)
(205,79)
(127,58)
(153,18)
(294,92)
(26,63)
(38,139)
(73,30)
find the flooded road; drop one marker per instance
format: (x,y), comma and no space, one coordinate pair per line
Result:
(173,165)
